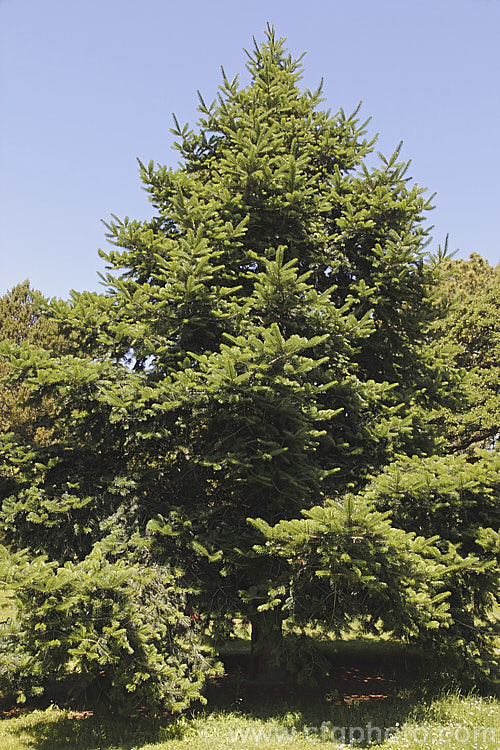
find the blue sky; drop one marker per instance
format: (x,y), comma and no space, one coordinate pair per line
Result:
(86,87)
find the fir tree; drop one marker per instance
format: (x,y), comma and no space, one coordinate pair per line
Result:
(263,344)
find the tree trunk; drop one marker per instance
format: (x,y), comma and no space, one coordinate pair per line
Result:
(266,646)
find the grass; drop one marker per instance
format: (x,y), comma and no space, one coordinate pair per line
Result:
(377,692)
(448,722)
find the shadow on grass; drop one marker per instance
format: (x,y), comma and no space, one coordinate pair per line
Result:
(54,730)
(377,684)
(369,683)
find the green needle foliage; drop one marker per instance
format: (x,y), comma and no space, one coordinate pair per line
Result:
(22,320)
(470,290)
(456,497)
(111,622)
(266,341)
(346,563)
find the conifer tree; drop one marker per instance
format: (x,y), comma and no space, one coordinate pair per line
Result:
(261,346)
(470,290)
(22,320)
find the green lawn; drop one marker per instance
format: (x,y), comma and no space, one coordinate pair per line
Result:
(446,723)
(377,691)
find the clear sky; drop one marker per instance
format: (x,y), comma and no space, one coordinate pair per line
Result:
(86,87)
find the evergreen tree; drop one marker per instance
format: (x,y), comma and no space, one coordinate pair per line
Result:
(263,344)
(470,291)
(22,320)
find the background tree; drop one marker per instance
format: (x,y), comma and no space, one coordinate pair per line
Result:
(22,320)
(470,290)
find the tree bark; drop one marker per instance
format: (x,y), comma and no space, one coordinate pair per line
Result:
(266,646)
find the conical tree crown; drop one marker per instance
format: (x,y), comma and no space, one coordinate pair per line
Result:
(265,169)
(263,345)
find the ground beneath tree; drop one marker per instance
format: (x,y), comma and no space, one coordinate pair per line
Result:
(351,680)
(373,673)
